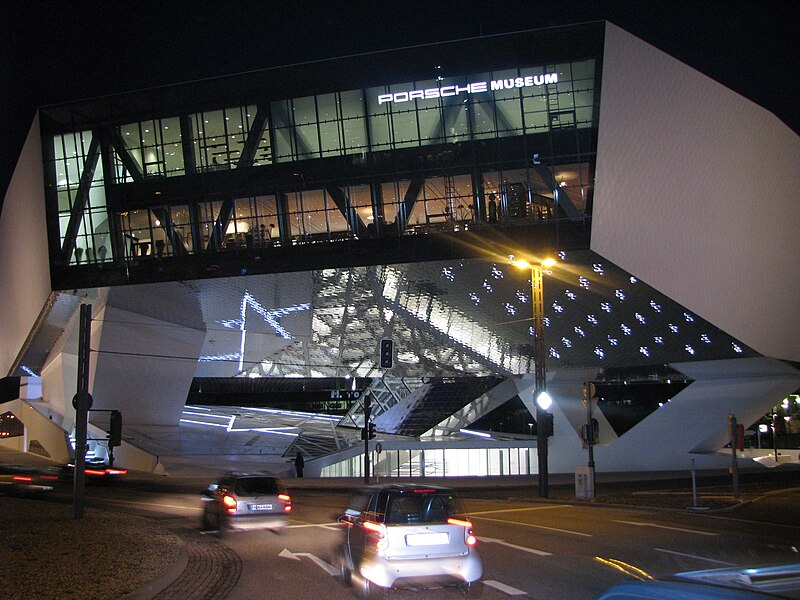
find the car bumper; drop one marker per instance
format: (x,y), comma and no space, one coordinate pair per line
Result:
(255,522)
(428,571)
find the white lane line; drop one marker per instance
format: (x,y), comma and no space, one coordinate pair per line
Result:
(640,524)
(506,589)
(323,525)
(719,562)
(157,504)
(508,510)
(510,545)
(534,526)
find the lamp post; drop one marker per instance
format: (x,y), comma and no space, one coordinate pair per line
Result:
(543,399)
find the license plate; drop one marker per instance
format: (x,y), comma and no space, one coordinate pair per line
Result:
(261,507)
(427,539)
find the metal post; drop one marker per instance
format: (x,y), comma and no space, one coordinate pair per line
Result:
(775,435)
(734,435)
(694,486)
(82,402)
(537,301)
(367,412)
(588,398)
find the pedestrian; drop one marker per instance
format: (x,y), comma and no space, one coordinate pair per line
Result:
(299,463)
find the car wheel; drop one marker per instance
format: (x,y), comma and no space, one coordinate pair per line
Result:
(220,526)
(471,590)
(345,576)
(371,591)
(207,526)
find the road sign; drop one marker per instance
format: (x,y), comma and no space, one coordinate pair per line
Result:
(378,448)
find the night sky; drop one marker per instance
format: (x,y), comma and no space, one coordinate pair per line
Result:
(56,51)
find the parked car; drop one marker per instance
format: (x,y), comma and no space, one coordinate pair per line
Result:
(246,501)
(782,581)
(21,479)
(408,535)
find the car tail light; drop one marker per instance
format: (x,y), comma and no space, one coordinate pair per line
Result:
(287,499)
(116,471)
(22,478)
(378,534)
(469,537)
(95,472)
(50,477)
(230,504)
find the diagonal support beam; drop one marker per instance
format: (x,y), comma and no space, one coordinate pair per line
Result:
(254,134)
(81,197)
(128,161)
(357,226)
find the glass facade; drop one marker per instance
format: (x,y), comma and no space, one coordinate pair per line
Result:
(505,146)
(445,461)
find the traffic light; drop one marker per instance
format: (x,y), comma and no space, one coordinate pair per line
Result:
(387,353)
(115,433)
(368,432)
(546,424)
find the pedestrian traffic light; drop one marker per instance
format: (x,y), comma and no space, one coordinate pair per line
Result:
(387,353)
(546,424)
(590,434)
(363,433)
(115,429)
(371,431)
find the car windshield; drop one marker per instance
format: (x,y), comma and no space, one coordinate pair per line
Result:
(256,486)
(421,507)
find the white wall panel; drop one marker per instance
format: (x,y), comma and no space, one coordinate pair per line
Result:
(24,260)
(698,194)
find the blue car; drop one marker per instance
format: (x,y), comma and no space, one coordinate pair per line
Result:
(730,584)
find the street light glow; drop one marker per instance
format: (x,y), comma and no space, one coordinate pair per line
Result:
(549,262)
(544,400)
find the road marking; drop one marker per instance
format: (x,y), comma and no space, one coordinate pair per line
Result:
(719,562)
(523,548)
(506,589)
(624,567)
(508,510)
(323,525)
(639,524)
(286,553)
(115,501)
(534,526)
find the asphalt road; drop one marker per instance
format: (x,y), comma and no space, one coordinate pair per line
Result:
(529,549)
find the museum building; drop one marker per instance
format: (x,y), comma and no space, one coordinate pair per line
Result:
(274,226)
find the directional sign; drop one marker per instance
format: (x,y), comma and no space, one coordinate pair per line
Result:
(286,553)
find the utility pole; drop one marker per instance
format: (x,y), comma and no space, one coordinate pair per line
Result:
(82,402)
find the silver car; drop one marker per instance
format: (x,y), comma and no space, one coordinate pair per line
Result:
(246,501)
(408,535)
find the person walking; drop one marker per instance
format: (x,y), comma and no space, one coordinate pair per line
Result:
(299,463)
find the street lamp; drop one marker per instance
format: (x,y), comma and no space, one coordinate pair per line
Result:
(543,399)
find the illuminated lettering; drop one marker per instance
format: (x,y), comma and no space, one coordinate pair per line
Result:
(476,87)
